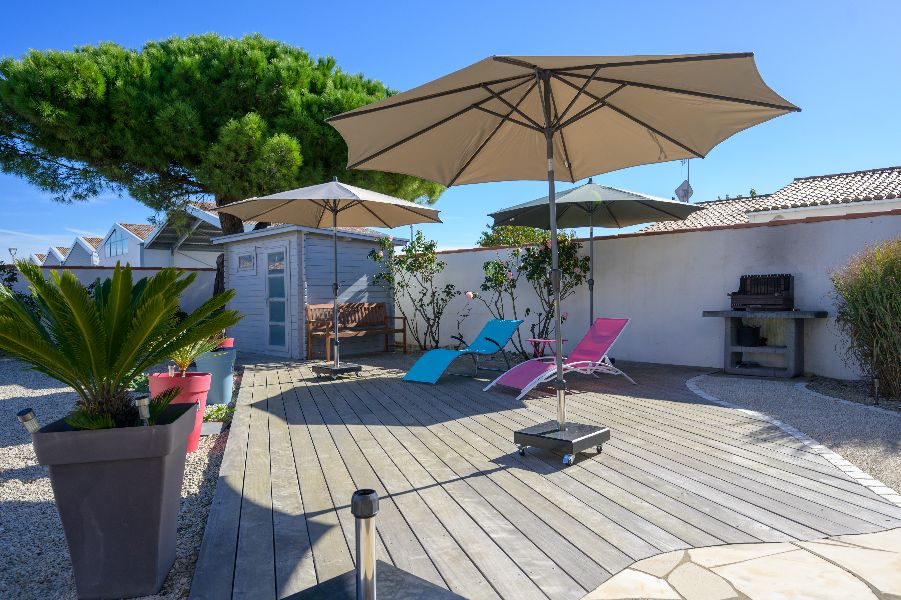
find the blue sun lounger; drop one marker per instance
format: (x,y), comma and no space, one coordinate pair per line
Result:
(491,340)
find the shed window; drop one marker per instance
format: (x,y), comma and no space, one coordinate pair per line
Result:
(245,262)
(117,244)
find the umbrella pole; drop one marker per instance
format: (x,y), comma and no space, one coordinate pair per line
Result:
(335,282)
(559,383)
(591,266)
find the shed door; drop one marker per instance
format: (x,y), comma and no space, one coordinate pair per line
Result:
(277,298)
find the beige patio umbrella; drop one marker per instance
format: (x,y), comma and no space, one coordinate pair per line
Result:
(333,204)
(523,117)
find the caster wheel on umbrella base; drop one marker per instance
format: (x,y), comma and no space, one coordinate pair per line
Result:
(569,459)
(522,450)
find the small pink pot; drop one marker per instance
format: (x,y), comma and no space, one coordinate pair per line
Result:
(227,343)
(194,389)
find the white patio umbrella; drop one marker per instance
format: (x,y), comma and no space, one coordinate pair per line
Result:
(590,205)
(333,204)
(530,117)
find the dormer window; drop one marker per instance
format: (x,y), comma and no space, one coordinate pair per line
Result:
(116,244)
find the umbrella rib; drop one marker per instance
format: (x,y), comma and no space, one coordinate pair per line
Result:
(600,102)
(569,166)
(512,107)
(578,93)
(259,216)
(364,111)
(380,219)
(429,128)
(663,88)
(669,59)
(658,209)
(490,136)
(654,129)
(508,118)
(610,212)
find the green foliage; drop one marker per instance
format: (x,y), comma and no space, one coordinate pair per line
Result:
(219,412)
(503,276)
(9,277)
(512,235)
(183,118)
(410,277)
(868,294)
(141,383)
(185,355)
(99,343)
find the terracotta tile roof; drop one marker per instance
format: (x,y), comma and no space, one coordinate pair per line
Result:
(142,230)
(819,190)
(716,213)
(207,206)
(841,188)
(93,241)
(41,257)
(63,250)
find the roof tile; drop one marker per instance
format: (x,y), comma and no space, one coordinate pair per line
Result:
(142,230)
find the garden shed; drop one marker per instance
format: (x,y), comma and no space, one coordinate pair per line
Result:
(279,270)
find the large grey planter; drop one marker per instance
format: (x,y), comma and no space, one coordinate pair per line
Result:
(118,494)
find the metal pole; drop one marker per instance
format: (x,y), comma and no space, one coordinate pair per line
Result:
(591,266)
(335,283)
(559,383)
(364,505)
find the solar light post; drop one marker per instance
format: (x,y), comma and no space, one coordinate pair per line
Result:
(364,505)
(143,406)
(12,252)
(28,420)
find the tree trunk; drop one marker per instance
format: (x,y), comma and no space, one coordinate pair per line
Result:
(230,224)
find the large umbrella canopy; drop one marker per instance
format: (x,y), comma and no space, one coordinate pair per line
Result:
(486,122)
(333,204)
(529,117)
(590,205)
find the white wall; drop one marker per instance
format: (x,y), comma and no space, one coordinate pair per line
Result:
(132,257)
(79,257)
(663,282)
(197,293)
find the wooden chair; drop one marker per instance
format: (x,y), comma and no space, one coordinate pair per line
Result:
(355,319)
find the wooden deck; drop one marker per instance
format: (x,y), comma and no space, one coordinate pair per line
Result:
(462,509)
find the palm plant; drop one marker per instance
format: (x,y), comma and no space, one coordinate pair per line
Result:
(99,341)
(184,356)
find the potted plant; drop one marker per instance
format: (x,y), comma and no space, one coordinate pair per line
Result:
(193,387)
(116,477)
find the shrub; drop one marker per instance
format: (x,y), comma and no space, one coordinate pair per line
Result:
(410,276)
(868,293)
(100,342)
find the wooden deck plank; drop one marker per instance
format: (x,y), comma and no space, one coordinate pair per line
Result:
(215,570)
(294,569)
(255,567)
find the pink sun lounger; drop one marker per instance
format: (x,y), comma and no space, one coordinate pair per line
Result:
(589,357)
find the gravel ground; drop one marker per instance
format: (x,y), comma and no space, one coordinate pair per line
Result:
(869,437)
(33,554)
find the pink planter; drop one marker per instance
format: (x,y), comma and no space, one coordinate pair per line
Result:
(227,343)
(194,389)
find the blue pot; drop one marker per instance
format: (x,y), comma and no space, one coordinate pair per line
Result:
(220,365)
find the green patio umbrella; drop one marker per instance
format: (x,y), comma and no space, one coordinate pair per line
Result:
(590,205)
(530,117)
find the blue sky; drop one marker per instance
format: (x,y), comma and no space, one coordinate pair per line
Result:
(839,61)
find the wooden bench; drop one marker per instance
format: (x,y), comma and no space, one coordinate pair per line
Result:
(355,319)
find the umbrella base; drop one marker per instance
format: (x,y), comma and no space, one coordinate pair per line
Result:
(391,582)
(572,440)
(330,370)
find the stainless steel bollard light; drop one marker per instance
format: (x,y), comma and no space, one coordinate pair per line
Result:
(30,422)
(365,506)
(142,403)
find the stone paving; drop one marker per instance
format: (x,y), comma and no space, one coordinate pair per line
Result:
(848,567)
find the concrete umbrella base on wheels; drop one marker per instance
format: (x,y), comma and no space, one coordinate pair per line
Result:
(118,493)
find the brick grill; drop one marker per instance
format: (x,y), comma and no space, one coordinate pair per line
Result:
(764,292)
